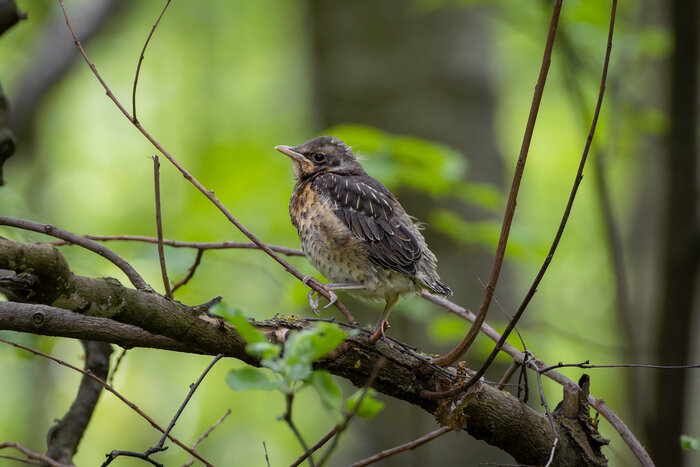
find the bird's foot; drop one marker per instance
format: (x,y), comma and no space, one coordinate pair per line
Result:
(379,332)
(313,301)
(334,298)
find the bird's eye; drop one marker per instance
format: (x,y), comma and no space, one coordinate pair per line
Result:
(319,157)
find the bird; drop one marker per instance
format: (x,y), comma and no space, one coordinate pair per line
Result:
(354,230)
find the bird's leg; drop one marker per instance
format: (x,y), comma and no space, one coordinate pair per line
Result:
(313,301)
(340,286)
(379,329)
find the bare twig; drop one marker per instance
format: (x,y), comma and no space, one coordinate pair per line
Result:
(630,439)
(205,434)
(33,455)
(368,384)
(404,447)
(337,429)
(193,388)
(156,184)
(110,379)
(143,52)
(587,365)
(567,210)
(160,447)
(456,353)
(267,459)
(287,417)
(86,243)
(64,437)
(21,460)
(543,401)
(195,245)
(318,287)
(109,388)
(190,271)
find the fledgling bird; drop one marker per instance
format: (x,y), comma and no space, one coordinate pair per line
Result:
(353,229)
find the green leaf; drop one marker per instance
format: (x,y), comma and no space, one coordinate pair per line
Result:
(328,391)
(369,407)
(247,331)
(309,345)
(263,349)
(247,378)
(690,444)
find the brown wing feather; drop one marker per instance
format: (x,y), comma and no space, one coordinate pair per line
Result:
(374,215)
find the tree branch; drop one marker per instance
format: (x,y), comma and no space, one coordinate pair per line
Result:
(494,416)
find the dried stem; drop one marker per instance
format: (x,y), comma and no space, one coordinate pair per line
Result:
(143,52)
(33,455)
(287,417)
(195,245)
(109,388)
(86,243)
(205,434)
(632,442)
(209,194)
(456,353)
(159,218)
(190,271)
(402,448)
(161,443)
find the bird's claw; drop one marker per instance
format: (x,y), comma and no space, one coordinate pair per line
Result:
(306,279)
(333,298)
(313,302)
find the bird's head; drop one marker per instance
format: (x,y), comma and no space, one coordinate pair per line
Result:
(322,154)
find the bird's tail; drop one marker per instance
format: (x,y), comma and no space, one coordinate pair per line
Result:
(438,287)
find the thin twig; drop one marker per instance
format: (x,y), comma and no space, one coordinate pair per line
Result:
(159,218)
(337,429)
(630,439)
(33,455)
(160,447)
(267,459)
(543,401)
(22,460)
(109,388)
(195,245)
(110,380)
(368,384)
(205,434)
(456,353)
(318,287)
(587,365)
(287,417)
(565,217)
(193,388)
(86,243)
(143,52)
(190,271)
(404,447)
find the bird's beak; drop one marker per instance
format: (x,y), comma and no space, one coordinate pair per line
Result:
(292,154)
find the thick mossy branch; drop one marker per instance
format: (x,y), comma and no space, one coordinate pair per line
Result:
(58,303)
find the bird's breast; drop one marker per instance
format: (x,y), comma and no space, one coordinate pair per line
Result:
(328,244)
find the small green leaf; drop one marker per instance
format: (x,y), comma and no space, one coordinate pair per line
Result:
(263,349)
(247,378)
(329,392)
(309,345)
(369,407)
(690,444)
(247,331)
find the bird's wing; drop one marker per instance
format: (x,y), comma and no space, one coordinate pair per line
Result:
(373,214)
